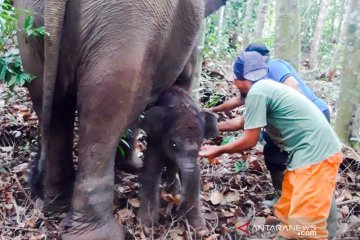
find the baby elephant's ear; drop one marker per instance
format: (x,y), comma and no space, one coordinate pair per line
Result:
(153,120)
(210,124)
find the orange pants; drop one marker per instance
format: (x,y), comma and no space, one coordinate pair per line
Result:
(304,205)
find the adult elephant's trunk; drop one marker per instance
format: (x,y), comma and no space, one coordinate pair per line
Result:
(54,13)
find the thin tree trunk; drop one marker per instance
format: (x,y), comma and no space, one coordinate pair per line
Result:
(199,59)
(342,37)
(261,19)
(219,24)
(341,19)
(247,22)
(320,23)
(332,16)
(287,31)
(348,116)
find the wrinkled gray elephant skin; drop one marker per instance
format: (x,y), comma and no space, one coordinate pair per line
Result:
(107,60)
(175,130)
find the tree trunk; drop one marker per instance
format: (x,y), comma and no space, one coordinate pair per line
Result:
(220,21)
(342,37)
(332,16)
(199,59)
(287,31)
(348,116)
(260,20)
(320,23)
(248,22)
(341,19)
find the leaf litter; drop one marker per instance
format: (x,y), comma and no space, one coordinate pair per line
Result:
(233,186)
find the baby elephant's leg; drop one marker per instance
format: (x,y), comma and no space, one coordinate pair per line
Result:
(149,190)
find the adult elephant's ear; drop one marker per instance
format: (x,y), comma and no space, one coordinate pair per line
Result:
(213,5)
(210,124)
(152,123)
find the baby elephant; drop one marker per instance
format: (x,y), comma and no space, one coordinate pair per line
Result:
(175,128)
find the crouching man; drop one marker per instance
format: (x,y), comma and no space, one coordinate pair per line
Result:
(297,126)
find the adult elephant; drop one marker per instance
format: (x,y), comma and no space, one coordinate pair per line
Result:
(107,60)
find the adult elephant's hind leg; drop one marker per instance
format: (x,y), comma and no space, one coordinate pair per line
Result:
(60,172)
(106,104)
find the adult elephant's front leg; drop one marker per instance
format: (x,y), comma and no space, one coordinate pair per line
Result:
(103,116)
(190,205)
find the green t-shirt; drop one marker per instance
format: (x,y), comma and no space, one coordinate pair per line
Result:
(292,121)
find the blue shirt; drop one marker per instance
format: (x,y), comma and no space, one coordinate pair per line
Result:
(279,70)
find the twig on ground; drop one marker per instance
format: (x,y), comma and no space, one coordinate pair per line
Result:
(20,229)
(349,201)
(23,190)
(352,151)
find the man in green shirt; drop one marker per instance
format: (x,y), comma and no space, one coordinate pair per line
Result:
(295,125)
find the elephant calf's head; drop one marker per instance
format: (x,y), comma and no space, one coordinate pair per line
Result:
(176,124)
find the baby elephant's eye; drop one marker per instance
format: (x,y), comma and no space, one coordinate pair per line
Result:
(173,144)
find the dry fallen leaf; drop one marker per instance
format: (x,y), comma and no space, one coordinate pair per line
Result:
(216,197)
(173,198)
(270,220)
(211,216)
(232,196)
(124,214)
(134,202)
(214,161)
(354,222)
(226,214)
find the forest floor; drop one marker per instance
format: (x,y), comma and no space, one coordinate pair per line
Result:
(232,189)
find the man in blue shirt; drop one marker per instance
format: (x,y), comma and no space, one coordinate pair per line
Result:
(282,71)
(276,159)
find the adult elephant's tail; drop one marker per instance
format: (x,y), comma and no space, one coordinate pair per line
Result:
(54,13)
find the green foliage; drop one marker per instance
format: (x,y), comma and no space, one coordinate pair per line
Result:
(222,43)
(228,139)
(215,98)
(11,70)
(8,22)
(124,143)
(240,166)
(10,62)
(32,31)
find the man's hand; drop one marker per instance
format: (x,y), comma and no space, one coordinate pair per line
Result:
(210,151)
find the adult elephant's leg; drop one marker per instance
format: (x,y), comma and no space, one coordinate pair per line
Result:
(126,158)
(149,190)
(190,205)
(185,80)
(60,172)
(103,116)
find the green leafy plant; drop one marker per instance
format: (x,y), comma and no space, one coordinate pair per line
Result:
(240,166)
(32,31)
(11,71)
(121,147)
(228,139)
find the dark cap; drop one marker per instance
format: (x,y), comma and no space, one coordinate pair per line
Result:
(250,66)
(258,47)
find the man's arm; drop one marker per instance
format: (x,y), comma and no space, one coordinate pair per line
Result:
(248,140)
(291,82)
(231,125)
(229,105)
